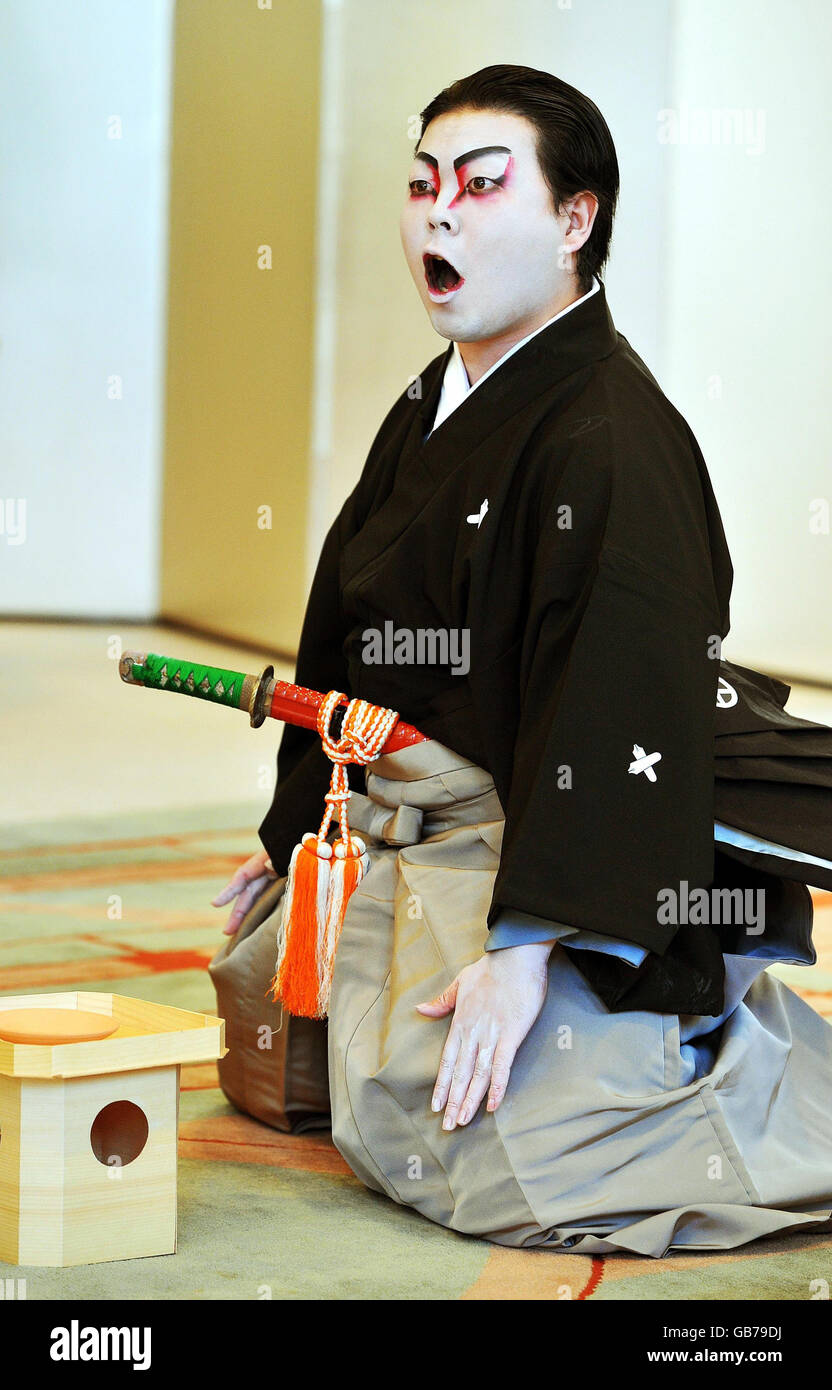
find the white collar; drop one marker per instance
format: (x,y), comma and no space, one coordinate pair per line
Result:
(455,383)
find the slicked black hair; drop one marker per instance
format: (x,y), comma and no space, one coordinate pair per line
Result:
(575,150)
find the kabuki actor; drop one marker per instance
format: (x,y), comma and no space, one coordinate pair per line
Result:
(550,1021)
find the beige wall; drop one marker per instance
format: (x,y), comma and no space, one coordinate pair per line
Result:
(749,291)
(83,272)
(240,338)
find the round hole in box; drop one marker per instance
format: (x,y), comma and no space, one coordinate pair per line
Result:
(119,1133)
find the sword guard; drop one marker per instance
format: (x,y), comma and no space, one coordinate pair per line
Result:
(257,709)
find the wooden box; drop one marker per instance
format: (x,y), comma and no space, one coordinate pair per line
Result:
(88,1131)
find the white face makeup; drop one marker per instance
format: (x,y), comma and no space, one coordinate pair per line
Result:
(479,230)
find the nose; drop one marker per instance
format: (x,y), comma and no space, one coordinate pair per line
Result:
(443,217)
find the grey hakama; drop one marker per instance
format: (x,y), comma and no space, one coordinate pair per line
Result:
(629,1131)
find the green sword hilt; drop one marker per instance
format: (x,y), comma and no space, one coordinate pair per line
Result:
(216,684)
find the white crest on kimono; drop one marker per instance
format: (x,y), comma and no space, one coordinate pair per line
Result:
(478,516)
(726,695)
(643,762)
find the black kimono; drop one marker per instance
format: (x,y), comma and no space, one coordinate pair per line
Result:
(595,589)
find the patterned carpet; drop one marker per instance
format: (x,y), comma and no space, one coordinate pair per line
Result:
(264,1213)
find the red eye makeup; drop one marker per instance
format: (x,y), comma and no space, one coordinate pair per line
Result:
(466,177)
(469,182)
(427,184)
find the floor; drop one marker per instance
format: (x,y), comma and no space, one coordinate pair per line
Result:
(77,739)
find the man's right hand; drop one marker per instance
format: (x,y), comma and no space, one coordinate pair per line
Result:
(249,882)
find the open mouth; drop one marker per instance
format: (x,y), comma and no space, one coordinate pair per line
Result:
(440,275)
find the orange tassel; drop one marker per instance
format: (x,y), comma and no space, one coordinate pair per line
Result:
(322,876)
(295,980)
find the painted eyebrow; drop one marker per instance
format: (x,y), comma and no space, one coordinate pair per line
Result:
(463,158)
(473,154)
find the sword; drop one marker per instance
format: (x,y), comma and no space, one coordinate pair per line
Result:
(262,696)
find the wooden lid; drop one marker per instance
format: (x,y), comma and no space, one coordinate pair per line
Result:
(48,1026)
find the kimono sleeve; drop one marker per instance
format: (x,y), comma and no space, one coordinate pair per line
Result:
(521,929)
(611,796)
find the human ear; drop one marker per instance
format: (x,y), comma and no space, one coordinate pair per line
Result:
(577,218)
